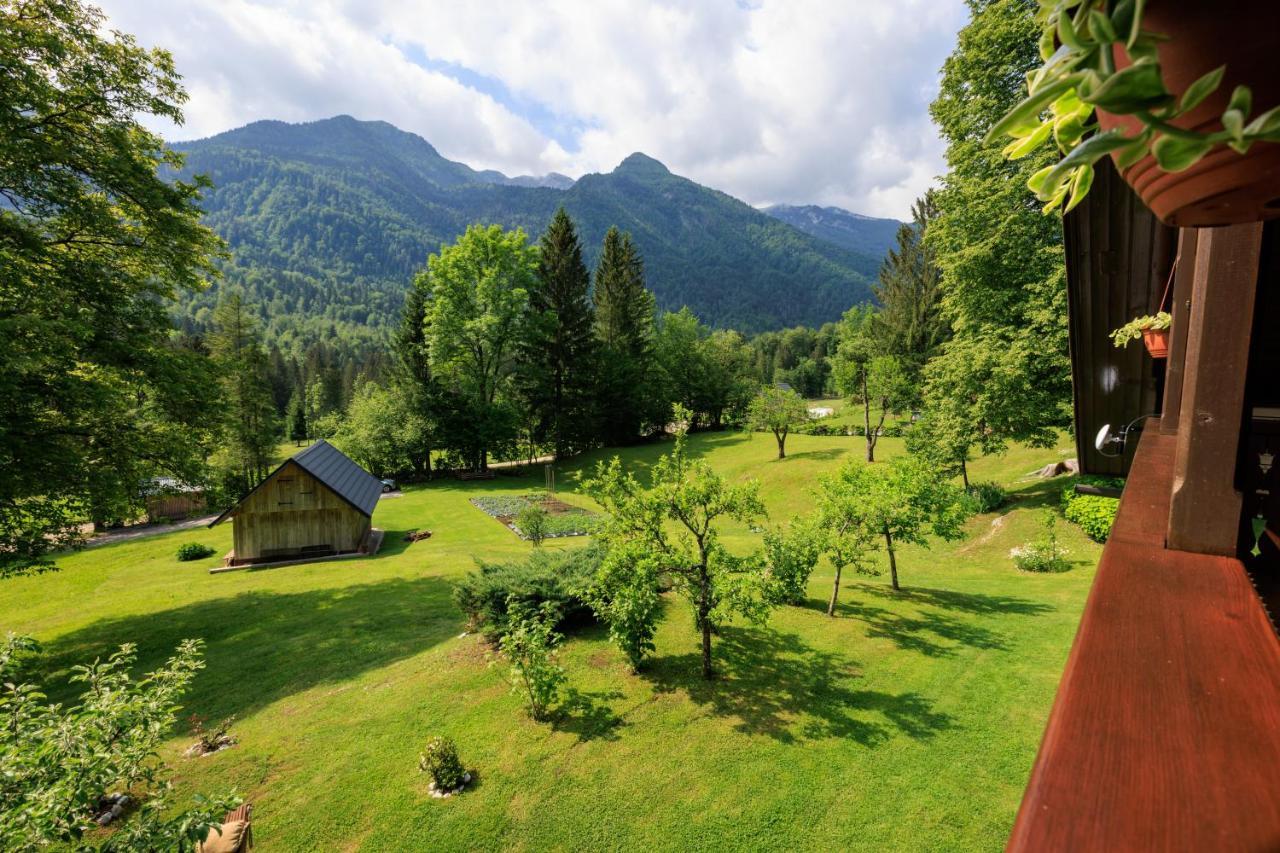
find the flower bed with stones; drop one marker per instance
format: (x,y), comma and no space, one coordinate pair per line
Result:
(562,519)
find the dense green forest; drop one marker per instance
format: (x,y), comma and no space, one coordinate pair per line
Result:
(328,221)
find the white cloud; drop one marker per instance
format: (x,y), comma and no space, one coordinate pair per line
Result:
(780,101)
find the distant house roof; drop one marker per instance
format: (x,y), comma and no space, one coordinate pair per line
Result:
(335,469)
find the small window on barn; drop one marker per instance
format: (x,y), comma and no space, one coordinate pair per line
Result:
(284,491)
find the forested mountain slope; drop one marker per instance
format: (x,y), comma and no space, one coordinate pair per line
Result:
(855,232)
(328,221)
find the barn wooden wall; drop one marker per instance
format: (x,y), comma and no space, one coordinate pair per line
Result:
(291,511)
(1119,257)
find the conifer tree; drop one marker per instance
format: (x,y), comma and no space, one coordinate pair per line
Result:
(249,431)
(559,344)
(624,327)
(910,322)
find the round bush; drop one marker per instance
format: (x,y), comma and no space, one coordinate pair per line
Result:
(987,496)
(440,759)
(194,551)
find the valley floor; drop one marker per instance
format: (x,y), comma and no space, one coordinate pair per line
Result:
(908,722)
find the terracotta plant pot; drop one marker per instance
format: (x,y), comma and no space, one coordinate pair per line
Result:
(1157,342)
(1223,188)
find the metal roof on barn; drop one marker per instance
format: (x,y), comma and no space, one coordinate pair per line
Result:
(335,470)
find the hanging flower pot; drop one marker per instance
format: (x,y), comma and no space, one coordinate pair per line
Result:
(1157,342)
(1154,332)
(1187,103)
(1223,186)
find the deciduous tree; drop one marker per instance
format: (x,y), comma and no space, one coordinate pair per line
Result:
(779,411)
(672,528)
(479,290)
(94,245)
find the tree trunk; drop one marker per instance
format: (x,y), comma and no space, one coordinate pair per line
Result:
(704,620)
(964,473)
(893,563)
(835,594)
(866,419)
(782,444)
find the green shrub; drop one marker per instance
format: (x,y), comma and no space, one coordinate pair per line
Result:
(440,759)
(194,551)
(532,522)
(529,643)
(1094,513)
(987,496)
(560,578)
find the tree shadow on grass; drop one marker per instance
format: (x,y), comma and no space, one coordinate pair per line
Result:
(977,603)
(1041,494)
(823,455)
(264,646)
(588,715)
(774,684)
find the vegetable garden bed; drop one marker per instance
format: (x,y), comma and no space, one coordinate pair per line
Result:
(562,519)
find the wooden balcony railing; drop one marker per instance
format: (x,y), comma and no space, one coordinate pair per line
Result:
(1165,733)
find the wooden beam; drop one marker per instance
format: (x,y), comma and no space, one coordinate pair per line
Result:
(1204,512)
(1180,309)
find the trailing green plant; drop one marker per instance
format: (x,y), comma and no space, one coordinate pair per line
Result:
(1079,75)
(986,496)
(1045,554)
(194,551)
(440,760)
(1133,330)
(559,578)
(1093,513)
(529,644)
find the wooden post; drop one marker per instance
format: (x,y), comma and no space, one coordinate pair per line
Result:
(1180,308)
(1204,513)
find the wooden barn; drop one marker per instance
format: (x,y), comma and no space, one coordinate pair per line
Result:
(317,503)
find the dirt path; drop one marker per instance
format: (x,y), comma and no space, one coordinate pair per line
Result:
(138,531)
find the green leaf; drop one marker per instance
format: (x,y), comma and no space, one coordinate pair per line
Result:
(1067,32)
(1135,25)
(1233,123)
(1267,123)
(1020,148)
(1080,187)
(1201,89)
(1134,151)
(1027,113)
(1175,154)
(1241,99)
(1100,27)
(1136,88)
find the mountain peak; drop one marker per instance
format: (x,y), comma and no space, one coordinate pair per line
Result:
(642,162)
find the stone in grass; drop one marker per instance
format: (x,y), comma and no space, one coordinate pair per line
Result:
(439,795)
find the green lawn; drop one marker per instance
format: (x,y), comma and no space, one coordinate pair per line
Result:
(910,721)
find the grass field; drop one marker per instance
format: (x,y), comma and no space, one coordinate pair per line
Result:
(909,722)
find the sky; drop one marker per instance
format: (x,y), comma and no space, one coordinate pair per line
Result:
(773,101)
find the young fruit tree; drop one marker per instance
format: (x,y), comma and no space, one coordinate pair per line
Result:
(672,529)
(777,410)
(59,762)
(865,373)
(840,526)
(791,555)
(529,643)
(902,501)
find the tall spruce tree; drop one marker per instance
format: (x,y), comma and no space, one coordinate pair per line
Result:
(626,391)
(910,321)
(411,375)
(249,428)
(558,350)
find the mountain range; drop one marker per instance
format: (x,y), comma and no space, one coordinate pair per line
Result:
(328,221)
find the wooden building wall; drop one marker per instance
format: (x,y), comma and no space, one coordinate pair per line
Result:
(292,513)
(1119,257)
